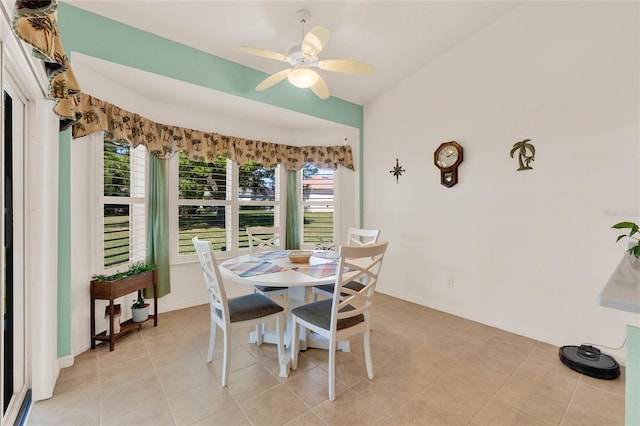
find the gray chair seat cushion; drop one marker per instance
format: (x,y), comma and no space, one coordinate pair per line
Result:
(353,285)
(251,306)
(265,289)
(328,288)
(319,314)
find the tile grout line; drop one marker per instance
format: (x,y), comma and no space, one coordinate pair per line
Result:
(99,386)
(493,397)
(573,394)
(155,372)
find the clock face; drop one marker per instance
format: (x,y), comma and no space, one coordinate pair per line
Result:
(447,156)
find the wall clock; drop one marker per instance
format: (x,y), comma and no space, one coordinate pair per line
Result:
(447,158)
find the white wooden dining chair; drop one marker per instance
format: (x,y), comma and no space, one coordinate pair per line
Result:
(263,238)
(339,318)
(356,237)
(237,312)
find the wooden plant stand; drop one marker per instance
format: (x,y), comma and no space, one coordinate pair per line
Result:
(103,290)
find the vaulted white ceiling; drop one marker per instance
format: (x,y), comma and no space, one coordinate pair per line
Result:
(396,37)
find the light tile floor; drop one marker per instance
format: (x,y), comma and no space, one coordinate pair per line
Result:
(431,368)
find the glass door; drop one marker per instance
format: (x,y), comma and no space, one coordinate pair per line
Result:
(13,338)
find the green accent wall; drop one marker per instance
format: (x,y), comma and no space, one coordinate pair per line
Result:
(64,245)
(96,36)
(632,391)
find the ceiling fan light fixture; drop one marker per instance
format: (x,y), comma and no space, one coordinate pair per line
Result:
(304,60)
(303,77)
(312,45)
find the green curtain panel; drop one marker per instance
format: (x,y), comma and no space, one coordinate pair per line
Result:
(293,241)
(158,239)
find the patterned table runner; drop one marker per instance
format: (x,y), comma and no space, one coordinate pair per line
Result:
(318,271)
(326,254)
(273,254)
(254,267)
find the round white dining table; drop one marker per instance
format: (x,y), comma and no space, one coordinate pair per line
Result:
(273,268)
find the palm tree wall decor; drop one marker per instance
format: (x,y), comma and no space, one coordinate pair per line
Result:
(524,160)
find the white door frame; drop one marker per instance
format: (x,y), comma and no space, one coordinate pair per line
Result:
(21,359)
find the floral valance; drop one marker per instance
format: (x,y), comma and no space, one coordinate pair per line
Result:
(34,21)
(163,140)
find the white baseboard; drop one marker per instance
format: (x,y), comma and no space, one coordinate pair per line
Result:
(66,361)
(182,304)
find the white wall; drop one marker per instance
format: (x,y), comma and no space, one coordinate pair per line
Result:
(528,251)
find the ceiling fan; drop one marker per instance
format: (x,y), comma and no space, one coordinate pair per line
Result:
(303,59)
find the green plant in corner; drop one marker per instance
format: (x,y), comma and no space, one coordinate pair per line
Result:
(633,230)
(138,303)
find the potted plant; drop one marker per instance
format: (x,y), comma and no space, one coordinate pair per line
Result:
(135,269)
(111,287)
(140,309)
(322,245)
(633,230)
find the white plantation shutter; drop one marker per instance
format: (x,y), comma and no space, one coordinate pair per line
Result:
(138,225)
(204,203)
(124,218)
(317,195)
(218,200)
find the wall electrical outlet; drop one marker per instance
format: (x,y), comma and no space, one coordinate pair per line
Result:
(450,282)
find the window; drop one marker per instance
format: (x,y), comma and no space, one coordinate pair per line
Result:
(317,205)
(217,201)
(124,236)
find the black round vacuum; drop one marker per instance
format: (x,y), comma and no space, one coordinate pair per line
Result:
(588,360)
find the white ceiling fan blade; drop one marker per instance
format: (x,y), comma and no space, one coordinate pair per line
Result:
(314,41)
(261,52)
(344,65)
(320,88)
(273,79)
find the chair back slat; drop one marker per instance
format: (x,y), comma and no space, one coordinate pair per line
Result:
(362,237)
(212,277)
(360,263)
(263,238)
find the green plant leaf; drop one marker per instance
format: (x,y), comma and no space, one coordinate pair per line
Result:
(138,303)
(624,225)
(633,229)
